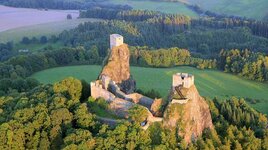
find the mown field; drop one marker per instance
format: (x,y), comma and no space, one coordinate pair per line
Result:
(210,83)
(166,7)
(256,9)
(21,17)
(39,30)
(245,8)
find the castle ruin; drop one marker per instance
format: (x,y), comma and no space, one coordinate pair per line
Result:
(115,81)
(184,79)
(109,85)
(116,40)
(180,85)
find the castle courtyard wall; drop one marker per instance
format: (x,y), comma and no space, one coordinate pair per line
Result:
(98,92)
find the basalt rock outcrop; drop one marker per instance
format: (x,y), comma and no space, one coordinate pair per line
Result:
(191,118)
(118,69)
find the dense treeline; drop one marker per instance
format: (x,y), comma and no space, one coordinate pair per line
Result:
(22,66)
(42,40)
(165,22)
(135,15)
(9,49)
(207,42)
(61,4)
(170,57)
(245,63)
(14,72)
(6,51)
(265,18)
(15,86)
(205,36)
(238,113)
(216,20)
(202,12)
(56,117)
(237,126)
(25,65)
(259,28)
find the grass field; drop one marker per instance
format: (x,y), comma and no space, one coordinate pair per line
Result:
(166,7)
(21,17)
(210,83)
(37,47)
(39,30)
(250,8)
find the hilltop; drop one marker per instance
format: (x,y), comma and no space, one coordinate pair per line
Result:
(118,68)
(71,114)
(190,118)
(189,114)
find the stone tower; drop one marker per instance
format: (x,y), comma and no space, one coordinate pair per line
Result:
(116,40)
(184,79)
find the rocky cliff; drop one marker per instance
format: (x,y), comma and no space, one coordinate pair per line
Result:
(191,118)
(118,69)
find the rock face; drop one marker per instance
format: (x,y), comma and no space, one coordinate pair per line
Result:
(117,68)
(191,118)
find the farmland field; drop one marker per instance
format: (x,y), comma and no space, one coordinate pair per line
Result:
(46,29)
(210,83)
(250,8)
(20,17)
(166,7)
(245,8)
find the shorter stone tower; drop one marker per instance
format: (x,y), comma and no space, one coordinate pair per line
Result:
(105,80)
(116,40)
(184,79)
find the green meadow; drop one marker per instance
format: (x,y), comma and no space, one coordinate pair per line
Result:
(47,29)
(245,8)
(255,9)
(166,7)
(210,83)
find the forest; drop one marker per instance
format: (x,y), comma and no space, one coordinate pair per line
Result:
(21,66)
(244,63)
(259,28)
(206,36)
(143,56)
(60,4)
(60,116)
(15,71)
(63,115)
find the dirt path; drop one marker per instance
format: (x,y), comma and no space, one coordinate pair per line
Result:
(109,121)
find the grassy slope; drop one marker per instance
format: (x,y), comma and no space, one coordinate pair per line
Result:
(249,8)
(166,7)
(41,29)
(12,17)
(209,83)
(36,47)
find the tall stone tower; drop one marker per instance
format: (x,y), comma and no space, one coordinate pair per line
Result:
(116,40)
(184,79)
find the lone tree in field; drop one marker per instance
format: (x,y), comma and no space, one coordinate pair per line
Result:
(43,39)
(25,40)
(69,17)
